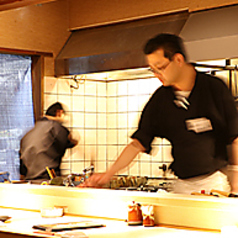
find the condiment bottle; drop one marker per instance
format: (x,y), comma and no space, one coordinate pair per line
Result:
(134,214)
(148,215)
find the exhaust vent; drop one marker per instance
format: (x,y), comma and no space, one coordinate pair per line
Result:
(114,47)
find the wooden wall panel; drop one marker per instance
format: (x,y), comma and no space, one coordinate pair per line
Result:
(39,28)
(45,27)
(93,13)
(11,4)
(208,4)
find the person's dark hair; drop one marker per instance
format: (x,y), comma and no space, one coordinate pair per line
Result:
(51,111)
(171,44)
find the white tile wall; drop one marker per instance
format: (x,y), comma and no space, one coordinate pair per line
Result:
(51,85)
(102,121)
(78,103)
(122,88)
(104,114)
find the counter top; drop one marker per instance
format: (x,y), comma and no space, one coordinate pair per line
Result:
(20,225)
(170,209)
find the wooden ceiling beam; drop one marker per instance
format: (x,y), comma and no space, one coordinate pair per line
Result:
(12,4)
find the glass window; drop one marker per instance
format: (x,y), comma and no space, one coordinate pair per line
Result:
(16,109)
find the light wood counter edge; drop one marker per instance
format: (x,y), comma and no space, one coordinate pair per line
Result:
(170,209)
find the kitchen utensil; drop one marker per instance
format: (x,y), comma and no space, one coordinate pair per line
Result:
(4,218)
(201,194)
(49,172)
(219,193)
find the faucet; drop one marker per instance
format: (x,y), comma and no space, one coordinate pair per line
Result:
(69,180)
(88,171)
(164,168)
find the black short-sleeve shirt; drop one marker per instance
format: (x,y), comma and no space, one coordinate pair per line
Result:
(194,153)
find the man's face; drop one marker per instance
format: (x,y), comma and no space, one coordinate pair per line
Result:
(164,69)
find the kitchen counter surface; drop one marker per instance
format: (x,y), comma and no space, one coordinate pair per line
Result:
(175,210)
(21,222)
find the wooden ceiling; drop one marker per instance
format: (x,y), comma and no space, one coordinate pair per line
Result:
(12,4)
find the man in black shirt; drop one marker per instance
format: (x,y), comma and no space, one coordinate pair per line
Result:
(194,111)
(45,145)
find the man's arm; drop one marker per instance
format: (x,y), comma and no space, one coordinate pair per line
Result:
(233,167)
(125,158)
(73,140)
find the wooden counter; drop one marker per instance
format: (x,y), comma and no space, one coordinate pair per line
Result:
(170,209)
(20,225)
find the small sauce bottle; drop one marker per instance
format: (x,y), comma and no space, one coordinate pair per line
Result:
(148,215)
(134,214)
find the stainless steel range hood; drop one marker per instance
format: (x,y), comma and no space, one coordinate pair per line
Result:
(212,34)
(208,35)
(114,47)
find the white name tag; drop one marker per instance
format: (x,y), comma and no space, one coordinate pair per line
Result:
(199,125)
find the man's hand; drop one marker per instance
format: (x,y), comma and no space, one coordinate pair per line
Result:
(96,180)
(124,159)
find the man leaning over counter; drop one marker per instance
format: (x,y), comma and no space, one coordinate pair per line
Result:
(195,112)
(44,145)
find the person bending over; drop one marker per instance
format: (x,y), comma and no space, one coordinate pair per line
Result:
(45,145)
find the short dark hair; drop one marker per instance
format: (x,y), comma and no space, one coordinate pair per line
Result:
(51,111)
(170,43)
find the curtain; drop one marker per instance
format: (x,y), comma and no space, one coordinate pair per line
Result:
(16,109)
